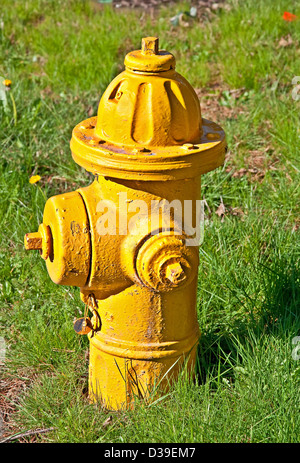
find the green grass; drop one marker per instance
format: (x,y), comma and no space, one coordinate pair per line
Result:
(60,56)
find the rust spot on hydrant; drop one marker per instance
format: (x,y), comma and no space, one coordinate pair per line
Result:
(127,240)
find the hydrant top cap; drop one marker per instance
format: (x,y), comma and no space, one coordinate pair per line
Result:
(150,58)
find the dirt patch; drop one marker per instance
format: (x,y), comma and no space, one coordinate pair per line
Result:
(200,8)
(200,4)
(219,102)
(139,4)
(257,163)
(11,388)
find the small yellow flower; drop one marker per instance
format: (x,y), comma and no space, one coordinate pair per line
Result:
(7,83)
(34,179)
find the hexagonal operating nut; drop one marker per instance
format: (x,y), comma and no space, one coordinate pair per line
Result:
(150,45)
(175,273)
(164,262)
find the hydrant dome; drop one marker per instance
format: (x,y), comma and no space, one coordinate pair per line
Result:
(149,104)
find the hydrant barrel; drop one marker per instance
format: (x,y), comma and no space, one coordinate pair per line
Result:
(130,239)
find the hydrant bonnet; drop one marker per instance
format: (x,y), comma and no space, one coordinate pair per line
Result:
(149,104)
(149,124)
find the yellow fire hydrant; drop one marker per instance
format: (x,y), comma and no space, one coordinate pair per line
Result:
(130,240)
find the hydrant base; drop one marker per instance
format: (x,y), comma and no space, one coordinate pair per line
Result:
(131,379)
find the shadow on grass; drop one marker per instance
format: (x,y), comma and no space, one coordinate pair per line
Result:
(278,316)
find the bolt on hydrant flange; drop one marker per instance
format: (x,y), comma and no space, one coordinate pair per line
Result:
(128,239)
